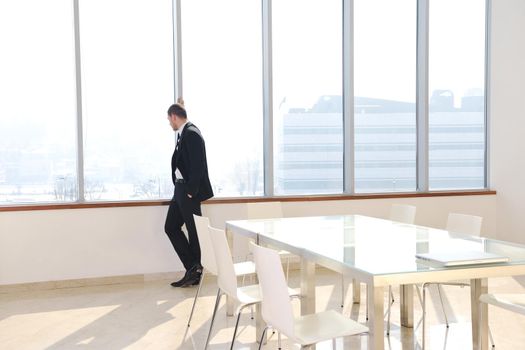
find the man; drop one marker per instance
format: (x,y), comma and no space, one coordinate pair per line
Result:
(189,172)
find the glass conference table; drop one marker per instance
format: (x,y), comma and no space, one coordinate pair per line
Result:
(381,253)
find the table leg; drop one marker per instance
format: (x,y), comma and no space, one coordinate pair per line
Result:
(229,302)
(259,324)
(375,300)
(356,291)
(479,314)
(406,301)
(307,287)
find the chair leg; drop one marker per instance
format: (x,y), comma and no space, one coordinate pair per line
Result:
(196,296)
(424,318)
(480,321)
(366,307)
(490,333)
(418,292)
(342,291)
(262,337)
(442,305)
(287,267)
(236,326)
(217,301)
(491,338)
(389,310)
(279,340)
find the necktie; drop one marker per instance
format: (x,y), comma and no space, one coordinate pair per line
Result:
(178,140)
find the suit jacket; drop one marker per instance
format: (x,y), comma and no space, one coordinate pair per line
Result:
(190,157)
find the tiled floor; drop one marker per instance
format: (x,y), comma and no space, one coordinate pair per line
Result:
(153,315)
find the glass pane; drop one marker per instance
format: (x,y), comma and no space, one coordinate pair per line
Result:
(38,102)
(222,77)
(127,75)
(457,97)
(385,95)
(307,90)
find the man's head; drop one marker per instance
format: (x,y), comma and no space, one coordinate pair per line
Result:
(177,114)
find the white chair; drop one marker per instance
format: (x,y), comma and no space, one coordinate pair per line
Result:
(403,213)
(456,223)
(462,223)
(208,258)
(227,281)
(278,314)
(261,210)
(510,302)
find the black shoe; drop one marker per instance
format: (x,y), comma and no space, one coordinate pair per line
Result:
(194,276)
(191,275)
(192,280)
(180,282)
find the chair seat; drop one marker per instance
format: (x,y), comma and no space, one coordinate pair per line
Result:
(311,329)
(459,283)
(251,294)
(244,268)
(285,254)
(511,302)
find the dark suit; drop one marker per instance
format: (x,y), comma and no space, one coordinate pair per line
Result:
(190,158)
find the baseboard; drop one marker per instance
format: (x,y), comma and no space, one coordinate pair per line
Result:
(89,282)
(101,281)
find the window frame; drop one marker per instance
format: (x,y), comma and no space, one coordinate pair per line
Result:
(422,115)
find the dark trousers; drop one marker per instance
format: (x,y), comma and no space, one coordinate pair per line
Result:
(181,212)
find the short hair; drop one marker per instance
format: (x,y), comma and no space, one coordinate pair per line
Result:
(178,109)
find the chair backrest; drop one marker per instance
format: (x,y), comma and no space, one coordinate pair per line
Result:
(276,309)
(264,210)
(403,213)
(226,278)
(461,223)
(207,253)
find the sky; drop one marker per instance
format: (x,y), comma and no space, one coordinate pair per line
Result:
(127,69)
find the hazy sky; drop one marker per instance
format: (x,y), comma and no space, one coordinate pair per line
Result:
(128,67)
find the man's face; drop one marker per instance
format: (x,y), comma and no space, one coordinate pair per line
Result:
(174,122)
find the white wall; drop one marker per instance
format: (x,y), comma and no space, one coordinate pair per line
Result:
(80,243)
(70,244)
(507,112)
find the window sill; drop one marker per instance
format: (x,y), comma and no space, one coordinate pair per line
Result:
(311,198)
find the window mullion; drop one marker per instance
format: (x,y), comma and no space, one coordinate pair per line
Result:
(78,82)
(348,97)
(177,51)
(267,98)
(422,95)
(488,11)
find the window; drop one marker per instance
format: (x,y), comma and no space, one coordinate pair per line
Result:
(385,95)
(222,84)
(307,90)
(127,76)
(38,102)
(127,71)
(457,97)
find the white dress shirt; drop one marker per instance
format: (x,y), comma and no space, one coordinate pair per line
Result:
(178,174)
